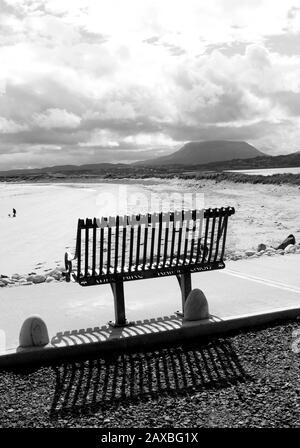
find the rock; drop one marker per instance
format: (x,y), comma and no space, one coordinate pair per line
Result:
(261,247)
(7,281)
(249,253)
(236,257)
(270,249)
(16,276)
(2,284)
(57,274)
(22,280)
(280,252)
(289,240)
(38,278)
(33,333)
(196,306)
(50,279)
(290,249)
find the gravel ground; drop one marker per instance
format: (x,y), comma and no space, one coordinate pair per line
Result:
(250,379)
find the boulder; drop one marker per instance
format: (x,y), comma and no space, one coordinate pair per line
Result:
(33,333)
(289,240)
(38,278)
(7,281)
(261,247)
(196,306)
(290,249)
(50,279)
(56,273)
(16,276)
(22,280)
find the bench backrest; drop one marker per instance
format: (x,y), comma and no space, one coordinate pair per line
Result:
(110,247)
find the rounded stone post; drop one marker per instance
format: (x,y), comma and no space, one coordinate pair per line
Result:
(196,306)
(33,333)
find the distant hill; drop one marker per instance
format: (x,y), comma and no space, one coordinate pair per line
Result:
(199,153)
(65,169)
(265,161)
(143,170)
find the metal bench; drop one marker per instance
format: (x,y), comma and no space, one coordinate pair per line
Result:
(123,248)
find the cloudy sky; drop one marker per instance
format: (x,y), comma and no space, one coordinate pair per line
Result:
(125,80)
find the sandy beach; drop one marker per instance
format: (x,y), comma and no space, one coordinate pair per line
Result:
(47,214)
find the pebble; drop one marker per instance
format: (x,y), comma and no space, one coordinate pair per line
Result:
(249,253)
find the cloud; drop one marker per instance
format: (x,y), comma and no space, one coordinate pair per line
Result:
(10,127)
(79,82)
(55,119)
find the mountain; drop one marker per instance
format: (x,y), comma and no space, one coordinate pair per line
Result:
(199,153)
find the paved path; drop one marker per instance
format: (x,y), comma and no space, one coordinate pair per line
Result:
(244,287)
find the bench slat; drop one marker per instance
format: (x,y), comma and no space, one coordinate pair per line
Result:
(94,246)
(224,236)
(205,240)
(179,245)
(138,242)
(212,238)
(159,240)
(108,253)
(123,248)
(166,244)
(219,235)
(131,247)
(145,246)
(152,244)
(101,250)
(116,243)
(173,242)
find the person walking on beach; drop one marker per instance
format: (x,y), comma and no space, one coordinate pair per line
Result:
(14,212)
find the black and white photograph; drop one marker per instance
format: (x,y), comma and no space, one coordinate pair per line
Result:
(149,218)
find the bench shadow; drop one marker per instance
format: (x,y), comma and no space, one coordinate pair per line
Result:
(106,332)
(87,386)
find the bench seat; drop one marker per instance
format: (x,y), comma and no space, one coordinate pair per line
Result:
(126,248)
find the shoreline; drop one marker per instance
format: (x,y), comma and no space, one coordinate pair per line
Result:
(236,177)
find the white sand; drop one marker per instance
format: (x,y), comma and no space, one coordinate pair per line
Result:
(47,215)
